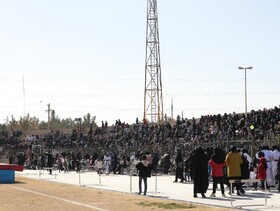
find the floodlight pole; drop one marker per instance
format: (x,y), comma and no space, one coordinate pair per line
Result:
(245,71)
(253,138)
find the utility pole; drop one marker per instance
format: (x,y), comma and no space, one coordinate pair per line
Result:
(153,102)
(172,110)
(23,91)
(49,114)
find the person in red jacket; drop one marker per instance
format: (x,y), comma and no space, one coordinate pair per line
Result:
(262,170)
(217,163)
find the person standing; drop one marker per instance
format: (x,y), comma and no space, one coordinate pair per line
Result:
(262,167)
(166,163)
(269,158)
(248,157)
(277,176)
(179,174)
(200,172)
(107,161)
(144,171)
(245,172)
(114,162)
(98,165)
(188,169)
(233,162)
(59,162)
(276,157)
(155,163)
(50,161)
(217,163)
(65,164)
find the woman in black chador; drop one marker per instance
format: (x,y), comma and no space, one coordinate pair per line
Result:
(200,172)
(179,167)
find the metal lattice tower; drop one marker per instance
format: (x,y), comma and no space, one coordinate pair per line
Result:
(153,102)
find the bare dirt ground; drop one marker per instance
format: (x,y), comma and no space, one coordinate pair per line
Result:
(37,195)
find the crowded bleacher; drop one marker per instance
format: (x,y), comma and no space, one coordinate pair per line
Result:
(122,140)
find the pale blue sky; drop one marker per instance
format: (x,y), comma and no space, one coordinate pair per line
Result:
(89,56)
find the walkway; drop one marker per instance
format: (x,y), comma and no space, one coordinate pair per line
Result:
(162,187)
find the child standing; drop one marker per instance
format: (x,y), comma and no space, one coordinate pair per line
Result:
(262,170)
(98,165)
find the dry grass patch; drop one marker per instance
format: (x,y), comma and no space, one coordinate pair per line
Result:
(167,206)
(32,195)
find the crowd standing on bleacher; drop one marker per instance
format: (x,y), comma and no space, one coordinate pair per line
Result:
(117,149)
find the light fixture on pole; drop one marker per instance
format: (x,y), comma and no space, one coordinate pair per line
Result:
(245,68)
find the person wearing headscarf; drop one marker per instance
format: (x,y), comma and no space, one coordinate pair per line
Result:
(269,158)
(179,174)
(155,163)
(233,163)
(50,161)
(200,172)
(247,156)
(262,169)
(245,168)
(166,163)
(217,163)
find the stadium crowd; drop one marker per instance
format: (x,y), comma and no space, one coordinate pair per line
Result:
(117,148)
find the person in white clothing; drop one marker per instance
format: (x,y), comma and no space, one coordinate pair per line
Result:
(276,157)
(107,163)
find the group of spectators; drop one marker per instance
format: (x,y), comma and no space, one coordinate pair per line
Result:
(207,129)
(124,141)
(222,166)
(184,148)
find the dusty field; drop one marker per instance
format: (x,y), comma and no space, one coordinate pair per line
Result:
(33,195)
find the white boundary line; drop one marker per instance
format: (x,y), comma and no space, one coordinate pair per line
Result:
(58,198)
